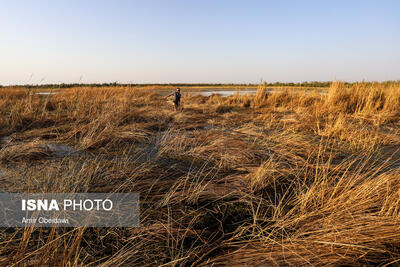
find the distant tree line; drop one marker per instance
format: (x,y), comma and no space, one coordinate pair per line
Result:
(114,84)
(324,84)
(70,85)
(300,84)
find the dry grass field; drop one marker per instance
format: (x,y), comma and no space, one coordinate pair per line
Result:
(290,177)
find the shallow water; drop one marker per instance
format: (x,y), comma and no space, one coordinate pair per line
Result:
(225,93)
(60,149)
(46,93)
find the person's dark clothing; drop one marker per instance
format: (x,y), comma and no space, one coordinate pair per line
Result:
(177,98)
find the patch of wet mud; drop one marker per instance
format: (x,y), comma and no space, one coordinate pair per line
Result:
(60,150)
(147,152)
(5,140)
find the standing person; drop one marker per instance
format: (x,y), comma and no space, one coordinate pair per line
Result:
(177,98)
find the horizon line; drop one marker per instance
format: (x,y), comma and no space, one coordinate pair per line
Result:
(195,83)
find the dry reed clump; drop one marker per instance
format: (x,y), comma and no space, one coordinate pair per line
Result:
(111,128)
(13,94)
(363,98)
(358,135)
(261,95)
(72,105)
(374,102)
(86,103)
(338,219)
(280,98)
(239,100)
(222,108)
(215,99)
(352,113)
(228,151)
(294,100)
(79,172)
(269,172)
(24,151)
(224,150)
(204,186)
(91,116)
(22,112)
(50,247)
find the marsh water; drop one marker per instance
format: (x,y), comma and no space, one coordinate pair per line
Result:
(46,93)
(224,93)
(211,91)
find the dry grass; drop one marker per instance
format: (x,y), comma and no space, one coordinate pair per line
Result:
(287,177)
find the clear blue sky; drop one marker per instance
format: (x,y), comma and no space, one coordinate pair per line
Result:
(198,41)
